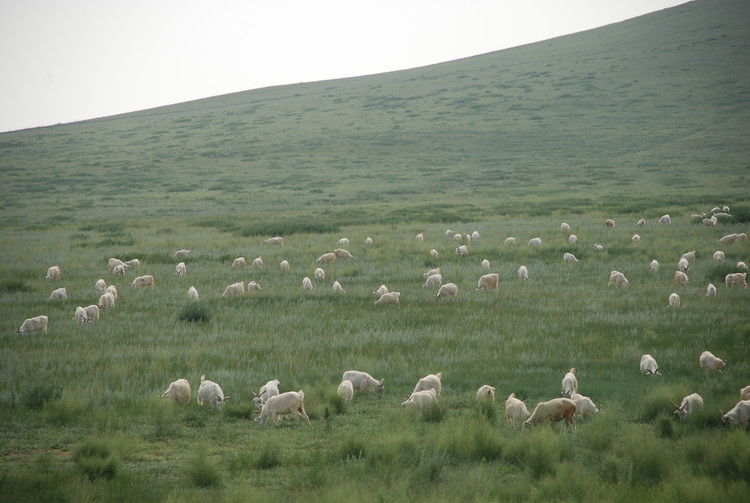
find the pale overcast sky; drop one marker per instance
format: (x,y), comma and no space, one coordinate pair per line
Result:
(70,60)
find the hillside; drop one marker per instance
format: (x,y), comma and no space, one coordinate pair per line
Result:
(643,114)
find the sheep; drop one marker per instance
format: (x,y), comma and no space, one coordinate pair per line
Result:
(710,291)
(511,240)
(689,256)
(92,312)
(106,301)
(178,392)
(488,281)
(291,402)
(59,294)
(431,381)
(114,262)
(113,290)
(554,410)
(319,273)
(570,258)
(274,241)
(135,263)
(745,393)
(572,239)
(271,388)
(341,253)
(368,241)
(140,281)
(80,316)
(467,238)
(648,366)
(691,403)
(654,266)
(665,219)
(253,286)
(449,233)
(729,238)
(462,251)
(431,272)
(53,272)
(564,227)
(640,223)
(433,254)
(485,264)
(736,279)
(636,238)
(486,393)
(535,242)
(523,273)
(381,290)
(584,405)
(257,263)
(609,223)
(515,409)
(284,265)
(741,236)
(419,237)
(234,289)
(337,288)
(326,258)
(239,263)
(741,265)
(181,254)
(674,300)
(389,298)
(211,393)
(618,279)
(362,381)
(569,383)
(192,293)
(709,362)
(457,237)
(680,278)
(683,265)
(739,415)
(307,284)
(709,222)
(180,269)
(433,281)
(100,286)
(343,242)
(448,290)
(421,400)
(119,271)
(718,256)
(598,248)
(475,236)
(35,324)
(346,390)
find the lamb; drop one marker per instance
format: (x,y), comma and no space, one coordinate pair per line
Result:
(253,286)
(523,273)
(431,381)
(467,238)
(654,266)
(683,265)
(636,238)
(419,237)
(433,281)
(140,281)
(192,293)
(113,290)
(180,269)
(337,288)
(674,300)
(368,241)
(564,227)
(729,238)
(421,400)
(709,222)
(100,286)
(462,251)
(114,262)
(618,279)
(710,290)
(53,272)
(35,324)
(92,312)
(572,239)
(346,390)
(515,409)
(535,242)
(257,263)
(488,281)
(691,403)
(569,383)
(609,223)
(341,253)
(59,294)
(570,258)
(234,289)
(709,362)
(291,402)
(274,241)
(665,219)
(120,270)
(689,256)
(718,256)
(381,290)
(741,265)
(640,223)
(307,284)
(80,316)
(326,258)
(319,273)
(457,237)
(449,233)
(178,392)
(736,279)
(211,393)
(475,236)
(598,248)
(739,415)
(433,254)
(431,272)
(181,254)
(106,301)
(133,263)
(448,290)
(271,388)
(554,410)
(486,393)
(389,298)
(284,265)
(362,381)
(485,264)
(343,242)
(239,263)
(648,366)
(745,393)
(584,405)
(511,240)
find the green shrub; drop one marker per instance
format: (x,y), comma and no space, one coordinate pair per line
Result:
(65,410)
(40,394)
(96,459)
(353,447)
(433,413)
(476,441)
(268,457)
(202,472)
(194,310)
(161,414)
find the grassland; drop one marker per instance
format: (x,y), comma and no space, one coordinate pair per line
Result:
(632,120)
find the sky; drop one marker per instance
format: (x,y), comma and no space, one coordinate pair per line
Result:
(69,60)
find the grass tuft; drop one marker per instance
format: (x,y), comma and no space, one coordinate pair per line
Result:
(96,459)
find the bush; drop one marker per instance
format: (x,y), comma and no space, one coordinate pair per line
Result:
(161,414)
(268,457)
(194,310)
(65,410)
(96,459)
(202,472)
(353,447)
(40,395)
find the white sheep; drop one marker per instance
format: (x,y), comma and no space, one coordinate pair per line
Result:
(81,316)
(239,263)
(431,381)
(741,265)
(691,403)
(618,279)
(431,272)
(362,381)
(368,241)
(564,227)
(274,241)
(654,266)
(257,263)
(112,289)
(53,272)
(729,238)
(346,390)
(448,290)
(535,242)
(689,256)
(342,242)
(636,238)
(488,281)
(584,405)
(92,312)
(341,253)
(598,248)
(709,362)
(120,270)
(114,262)
(307,284)
(253,286)
(609,223)
(100,286)
(140,281)
(289,403)
(683,265)
(59,294)
(569,383)
(211,393)
(640,223)
(572,239)
(570,258)
(337,288)
(178,391)
(35,324)
(710,222)
(192,293)
(515,409)
(433,281)
(419,237)
(485,264)
(421,399)
(710,290)
(433,254)
(648,366)
(462,251)
(319,273)
(745,393)
(180,269)
(475,236)
(381,290)
(665,219)
(389,298)
(181,254)
(680,278)
(553,411)
(739,415)
(284,265)
(718,256)
(326,258)
(511,240)
(134,263)
(234,289)
(106,301)
(486,393)
(523,273)
(736,279)
(674,300)
(271,388)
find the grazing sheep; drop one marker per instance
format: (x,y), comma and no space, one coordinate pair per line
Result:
(433,281)
(618,279)
(326,258)
(488,281)
(211,393)
(274,241)
(569,383)
(342,242)
(53,272)
(284,265)
(718,256)
(736,279)
(419,237)
(346,390)
(181,254)
(448,290)
(462,251)
(709,222)
(368,241)
(584,405)
(564,227)
(431,272)
(389,298)
(467,238)
(119,271)
(457,237)
(535,242)
(140,281)
(609,223)
(640,223)
(337,288)
(106,301)
(431,381)
(523,273)
(674,300)
(81,316)
(239,263)
(362,381)
(665,219)
(92,312)
(319,273)
(253,286)
(485,264)
(683,265)
(570,258)
(648,366)
(572,239)
(515,409)
(234,289)
(486,393)
(100,286)
(691,403)
(739,415)
(598,248)
(341,253)
(654,266)
(680,278)
(180,269)
(113,290)
(710,290)
(35,324)
(114,262)
(271,388)
(433,254)
(135,263)
(383,289)
(511,240)
(636,238)
(475,236)
(745,393)
(709,362)
(689,256)
(59,294)
(741,265)
(178,391)
(449,233)
(307,284)
(554,410)
(192,293)
(729,238)
(421,399)
(257,263)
